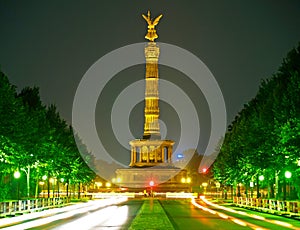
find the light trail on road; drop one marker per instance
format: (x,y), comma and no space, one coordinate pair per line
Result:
(102,217)
(64,213)
(234,219)
(276,222)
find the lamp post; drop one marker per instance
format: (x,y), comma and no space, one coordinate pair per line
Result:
(204,184)
(251,188)
(44,178)
(51,180)
(151,183)
(58,190)
(42,183)
(189,181)
(17,175)
(260,178)
(287,175)
(98,185)
(107,185)
(218,185)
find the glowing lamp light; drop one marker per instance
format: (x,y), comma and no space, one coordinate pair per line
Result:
(44,177)
(261,177)
(151,183)
(188,180)
(107,184)
(98,184)
(180,156)
(17,174)
(288,174)
(204,170)
(183,180)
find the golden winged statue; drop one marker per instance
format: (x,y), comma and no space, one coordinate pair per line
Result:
(151,35)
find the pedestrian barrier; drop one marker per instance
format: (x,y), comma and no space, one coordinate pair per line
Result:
(12,208)
(272,206)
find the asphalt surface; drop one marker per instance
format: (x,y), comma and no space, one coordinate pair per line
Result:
(148,214)
(113,217)
(184,215)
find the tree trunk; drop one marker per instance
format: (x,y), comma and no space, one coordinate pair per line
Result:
(37,186)
(79,190)
(238,190)
(48,186)
(257,187)
(67,188)
(277,185)
(57,188)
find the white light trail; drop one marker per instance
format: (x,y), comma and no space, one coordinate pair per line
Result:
(82,208)
(235,220)
(281,223)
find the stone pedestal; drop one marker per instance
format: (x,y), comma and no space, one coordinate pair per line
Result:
(164,179)
(147,153)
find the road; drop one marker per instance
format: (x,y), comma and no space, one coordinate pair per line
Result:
(112,217)
(182,213)
(185,215)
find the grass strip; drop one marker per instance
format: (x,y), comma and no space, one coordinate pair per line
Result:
(151,216)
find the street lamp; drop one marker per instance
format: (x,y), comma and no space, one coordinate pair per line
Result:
(251,188)
(98,185)
(151,183)
(42,183)
(260,178)
(52,180)
(218,185)
(204,184)
(17,175)
(287,175)
(44,178)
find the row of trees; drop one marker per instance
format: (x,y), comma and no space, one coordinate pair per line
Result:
(264,138)
(35,141)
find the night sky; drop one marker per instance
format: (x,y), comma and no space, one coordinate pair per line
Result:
(51,44)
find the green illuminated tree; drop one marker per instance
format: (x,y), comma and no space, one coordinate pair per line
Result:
(35,140)
(264,137)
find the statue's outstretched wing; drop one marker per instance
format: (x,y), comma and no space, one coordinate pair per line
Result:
(155,22)
(147,19)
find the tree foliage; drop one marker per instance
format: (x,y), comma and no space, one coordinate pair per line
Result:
(36,141)
(264,137)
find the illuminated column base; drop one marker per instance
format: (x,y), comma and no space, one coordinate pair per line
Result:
(151,152)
